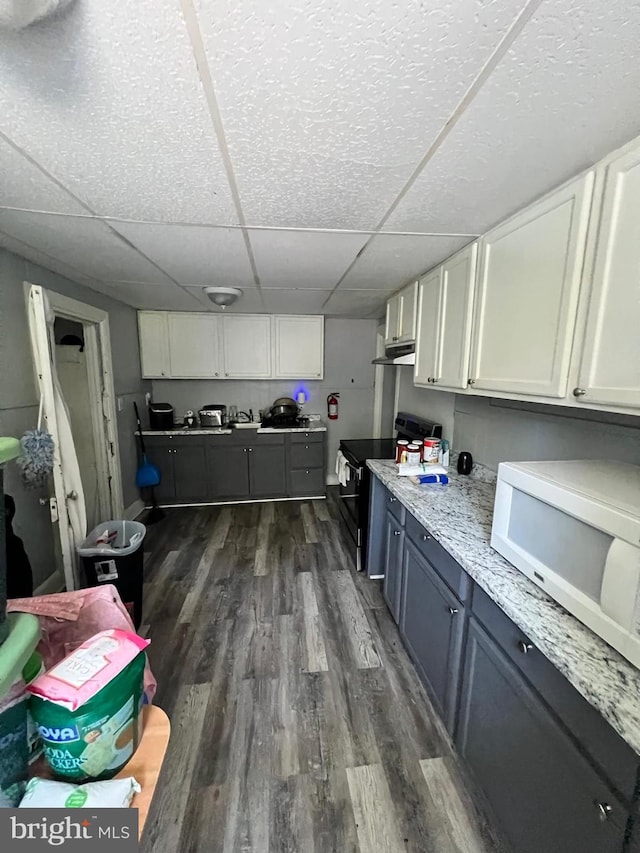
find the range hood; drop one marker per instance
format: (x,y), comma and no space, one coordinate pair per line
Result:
(398,354)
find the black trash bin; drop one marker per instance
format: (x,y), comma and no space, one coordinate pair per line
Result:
(112,553)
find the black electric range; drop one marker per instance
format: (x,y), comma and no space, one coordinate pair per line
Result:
(354,492)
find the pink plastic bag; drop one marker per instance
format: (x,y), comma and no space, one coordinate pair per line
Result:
(67,619)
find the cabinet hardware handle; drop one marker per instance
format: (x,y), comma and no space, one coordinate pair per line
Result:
(429,379)
(604,811)
(251,450)
(397,532)
(472,381)
(216,374)
(434,380)
(306,472)
(453,610)
(226,374)
(392,500)
(524,647)
(579,392)
(244,449)
(425,537)
(306,447)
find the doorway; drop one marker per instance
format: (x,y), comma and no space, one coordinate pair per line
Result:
(72,357)
(385,396)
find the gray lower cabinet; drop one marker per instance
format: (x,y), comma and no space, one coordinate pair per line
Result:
(543,790)
(555,775)
(182,468)
(393,533)
(227,471)
(239,466)
(432,627)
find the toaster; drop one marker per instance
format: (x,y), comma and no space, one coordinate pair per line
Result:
(213,416)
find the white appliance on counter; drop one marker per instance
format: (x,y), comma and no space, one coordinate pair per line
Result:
(574,529)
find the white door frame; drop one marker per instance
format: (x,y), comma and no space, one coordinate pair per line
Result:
(378,386)
(97,338)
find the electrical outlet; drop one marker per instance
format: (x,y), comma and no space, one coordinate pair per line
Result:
(147,399)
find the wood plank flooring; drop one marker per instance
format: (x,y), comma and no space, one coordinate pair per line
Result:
(299,724)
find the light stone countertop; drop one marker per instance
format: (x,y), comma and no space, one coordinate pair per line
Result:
(315,426)
(459,516)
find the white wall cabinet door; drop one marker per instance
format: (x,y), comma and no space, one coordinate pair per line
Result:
(456,318)
(392,325)
(154,344)
(428,338)
(194,346)
(408,311)
(246,346)
(299,347)
(530,272)
(610,366)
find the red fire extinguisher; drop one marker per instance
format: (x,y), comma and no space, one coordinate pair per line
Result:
(332,406)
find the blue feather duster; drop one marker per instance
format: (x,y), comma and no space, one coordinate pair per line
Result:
(36,461)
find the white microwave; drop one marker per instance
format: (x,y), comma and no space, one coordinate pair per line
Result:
(573,528)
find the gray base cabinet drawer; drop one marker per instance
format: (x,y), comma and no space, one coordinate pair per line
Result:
(307,455)
(306,482)
(617,762)
(447,567)
(545,795)
(432,627)
(307,437)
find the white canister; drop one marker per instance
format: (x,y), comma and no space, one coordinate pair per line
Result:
(414,454)
(431,451)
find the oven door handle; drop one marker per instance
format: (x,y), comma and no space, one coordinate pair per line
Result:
(356,471)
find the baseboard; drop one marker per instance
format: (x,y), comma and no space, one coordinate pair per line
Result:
(332,480)
(54,583)
(134,510)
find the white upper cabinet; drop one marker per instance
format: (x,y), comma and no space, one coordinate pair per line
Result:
(610,366)
(456,318)
(528,287)
(427,339)
(400,324)
(154,344)
(408,308)
(298,347)
(392,326)
(246,346)
(193,346)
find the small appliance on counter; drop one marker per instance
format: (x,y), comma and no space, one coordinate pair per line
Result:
(573,528)
(190,420)
(212,415)
(161,416)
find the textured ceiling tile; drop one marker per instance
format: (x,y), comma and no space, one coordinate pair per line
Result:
(87,245)
(329,105)
(193,254)
(23,185)
(108,99)
(303,258)
(357,303)
(11,244)
(305,301)
(564,96)
(160,297)
(390,260)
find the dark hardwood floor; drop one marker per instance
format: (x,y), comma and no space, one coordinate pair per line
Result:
(298,722)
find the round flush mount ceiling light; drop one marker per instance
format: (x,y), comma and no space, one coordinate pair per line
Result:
(223,296)
(17,14)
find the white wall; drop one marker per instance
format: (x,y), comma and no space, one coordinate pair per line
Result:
(437,406)
(495,431)
(350,347)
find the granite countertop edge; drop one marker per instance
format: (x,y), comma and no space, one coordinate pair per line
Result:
(223,431)
(459,517)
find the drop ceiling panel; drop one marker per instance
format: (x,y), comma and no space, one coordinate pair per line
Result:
(193,254)
(295,301)
(390,260)
(87,245)
(328,107)
(160,297)
(303,258)
(357,303)
(24,185)
(109,100)
(11,244)
(563,97)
